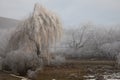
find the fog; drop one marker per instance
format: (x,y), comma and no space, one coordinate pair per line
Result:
(91,41)
(41,40)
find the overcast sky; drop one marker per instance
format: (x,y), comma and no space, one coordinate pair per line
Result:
(72,12)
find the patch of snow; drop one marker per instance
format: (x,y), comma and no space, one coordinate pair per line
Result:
(89,76)
(24,79)
(90,79)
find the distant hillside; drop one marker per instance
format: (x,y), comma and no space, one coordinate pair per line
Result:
(7,22)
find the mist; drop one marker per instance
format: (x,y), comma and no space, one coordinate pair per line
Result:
(75,41)
(91,41)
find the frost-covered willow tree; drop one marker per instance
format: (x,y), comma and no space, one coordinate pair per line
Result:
(29,44)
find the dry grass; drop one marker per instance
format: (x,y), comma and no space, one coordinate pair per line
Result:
(61,73)
(71,70)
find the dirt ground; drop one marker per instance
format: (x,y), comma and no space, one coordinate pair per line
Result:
(71,70)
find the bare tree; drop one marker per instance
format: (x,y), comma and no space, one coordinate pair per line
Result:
(79,37)
(28,45)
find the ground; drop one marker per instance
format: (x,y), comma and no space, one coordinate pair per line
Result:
(73,70)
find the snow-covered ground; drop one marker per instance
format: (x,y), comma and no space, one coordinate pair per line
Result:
(114,76)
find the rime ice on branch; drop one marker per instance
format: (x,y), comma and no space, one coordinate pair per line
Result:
(29,44)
